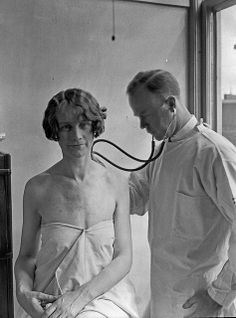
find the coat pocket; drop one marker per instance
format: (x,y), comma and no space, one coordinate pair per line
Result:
(193,216)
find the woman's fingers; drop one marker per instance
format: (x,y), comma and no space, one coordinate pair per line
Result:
(46,297)
(49,311)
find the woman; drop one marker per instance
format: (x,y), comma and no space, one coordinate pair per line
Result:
(76,243)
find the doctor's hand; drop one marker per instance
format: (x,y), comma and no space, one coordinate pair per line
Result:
(204,305)
(68,305)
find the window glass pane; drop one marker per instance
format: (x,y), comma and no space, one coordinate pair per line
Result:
(228,71)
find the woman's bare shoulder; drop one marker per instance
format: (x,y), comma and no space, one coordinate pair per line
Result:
(116,178)
(38,181)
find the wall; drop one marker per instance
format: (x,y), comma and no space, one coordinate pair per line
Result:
(51,45)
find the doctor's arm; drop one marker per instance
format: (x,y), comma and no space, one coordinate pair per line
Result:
(139,191)
(71,303)
(222,291)
(25,264)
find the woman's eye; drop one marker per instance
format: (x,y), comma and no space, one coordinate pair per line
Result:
(65,128)
(85,124)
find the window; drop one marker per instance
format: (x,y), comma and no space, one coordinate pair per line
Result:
(228,72)
(218,23)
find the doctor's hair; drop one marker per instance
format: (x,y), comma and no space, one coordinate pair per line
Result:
(74,97)
(160,81)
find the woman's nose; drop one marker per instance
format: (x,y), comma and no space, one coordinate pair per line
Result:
(76,132)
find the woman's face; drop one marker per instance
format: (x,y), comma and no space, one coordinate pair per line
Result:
(75,132)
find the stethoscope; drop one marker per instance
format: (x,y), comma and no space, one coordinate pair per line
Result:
(145,162)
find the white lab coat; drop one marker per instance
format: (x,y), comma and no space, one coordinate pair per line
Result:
(190,194)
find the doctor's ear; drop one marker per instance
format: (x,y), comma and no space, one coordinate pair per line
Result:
(170,101)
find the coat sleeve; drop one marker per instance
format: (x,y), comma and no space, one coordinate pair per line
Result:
(220,183)
(139,191)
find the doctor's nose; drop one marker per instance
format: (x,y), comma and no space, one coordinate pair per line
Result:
(142,123)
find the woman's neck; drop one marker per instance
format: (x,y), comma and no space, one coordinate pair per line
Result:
(76,168)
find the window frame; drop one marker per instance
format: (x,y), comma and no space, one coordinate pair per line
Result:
(211,104)
(176,3)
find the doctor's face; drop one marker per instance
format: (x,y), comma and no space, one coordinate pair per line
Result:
(148,106)
(75,132)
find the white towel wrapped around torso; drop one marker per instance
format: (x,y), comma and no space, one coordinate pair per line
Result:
(71,256)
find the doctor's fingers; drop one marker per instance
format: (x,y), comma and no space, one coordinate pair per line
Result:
(190,302)
(199,315)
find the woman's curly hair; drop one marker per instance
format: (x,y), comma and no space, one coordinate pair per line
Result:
(74,97)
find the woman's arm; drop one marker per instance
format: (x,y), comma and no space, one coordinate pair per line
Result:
(25,263)
(122,258)
(73,302)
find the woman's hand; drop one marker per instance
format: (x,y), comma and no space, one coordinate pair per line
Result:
(32,302)
(66,306)
(72,302)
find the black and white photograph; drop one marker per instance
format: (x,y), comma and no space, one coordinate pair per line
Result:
(117,158)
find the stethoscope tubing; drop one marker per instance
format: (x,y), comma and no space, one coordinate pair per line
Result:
(120,149)
(146,162)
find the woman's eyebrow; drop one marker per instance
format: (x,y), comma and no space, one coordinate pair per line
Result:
(64,122)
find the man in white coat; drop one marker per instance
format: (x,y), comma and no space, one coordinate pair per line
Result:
(190,194)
